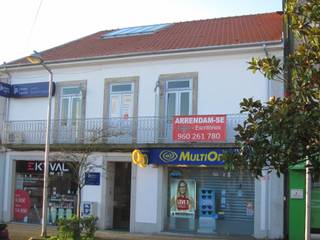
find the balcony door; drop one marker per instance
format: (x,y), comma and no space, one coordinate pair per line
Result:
(70,114)
(178,101)
(120,113)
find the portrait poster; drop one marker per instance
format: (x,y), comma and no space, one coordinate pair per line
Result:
(183,198)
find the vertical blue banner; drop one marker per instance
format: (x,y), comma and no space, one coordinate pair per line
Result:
(5,89)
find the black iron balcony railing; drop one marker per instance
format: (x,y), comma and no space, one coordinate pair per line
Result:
(140,130)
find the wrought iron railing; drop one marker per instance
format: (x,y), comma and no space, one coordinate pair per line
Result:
(140,130)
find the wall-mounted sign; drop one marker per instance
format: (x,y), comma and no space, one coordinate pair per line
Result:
(5,89)
(92,178)
(38,167)
(192,156)
(199,128)
(27,90)
(296,193)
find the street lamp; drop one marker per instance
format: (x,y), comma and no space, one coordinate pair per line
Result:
(36,58)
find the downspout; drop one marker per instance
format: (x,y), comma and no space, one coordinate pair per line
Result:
(156,109)
(8,99)
(268,81)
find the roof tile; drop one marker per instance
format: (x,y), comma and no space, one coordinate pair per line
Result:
(183,35)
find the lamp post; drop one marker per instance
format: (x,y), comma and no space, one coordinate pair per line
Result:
(37,59)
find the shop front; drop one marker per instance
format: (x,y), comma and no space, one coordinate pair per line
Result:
(27,200)
(201,196)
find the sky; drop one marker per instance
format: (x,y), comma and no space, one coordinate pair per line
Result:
(28,25)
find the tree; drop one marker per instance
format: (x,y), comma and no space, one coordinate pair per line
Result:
(79,161)
(285,131)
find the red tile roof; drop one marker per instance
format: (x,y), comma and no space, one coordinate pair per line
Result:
(184,35)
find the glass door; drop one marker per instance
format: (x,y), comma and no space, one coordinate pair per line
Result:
(120,113)
(70,114)
(178,102)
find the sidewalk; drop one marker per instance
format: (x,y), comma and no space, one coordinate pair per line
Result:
(19,231)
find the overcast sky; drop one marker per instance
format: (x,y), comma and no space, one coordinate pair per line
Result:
(28,25)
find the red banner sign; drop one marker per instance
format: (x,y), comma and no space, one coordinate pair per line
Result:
(22,204)
(199,128)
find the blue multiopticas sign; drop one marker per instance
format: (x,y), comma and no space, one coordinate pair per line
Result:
(177,156)
(27,90)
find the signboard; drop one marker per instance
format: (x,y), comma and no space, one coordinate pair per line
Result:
(27,90)
(296,193)
(5,89)
(182,198)
(192,156)
(199,128)
(22,204)
(92,178)
(38,167)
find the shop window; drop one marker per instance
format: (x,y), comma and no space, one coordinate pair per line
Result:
(210,200)
(27,205)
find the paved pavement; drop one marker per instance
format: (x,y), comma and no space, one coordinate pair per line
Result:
(26,231)
(19,231)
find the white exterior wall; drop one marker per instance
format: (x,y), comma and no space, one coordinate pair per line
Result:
(146,195)
(223,83)
(2,181)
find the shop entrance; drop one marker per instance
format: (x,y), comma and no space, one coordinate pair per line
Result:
(121,198)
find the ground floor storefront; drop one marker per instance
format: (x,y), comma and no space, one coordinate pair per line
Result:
(169,195)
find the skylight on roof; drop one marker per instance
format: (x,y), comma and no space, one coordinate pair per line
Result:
(133,31)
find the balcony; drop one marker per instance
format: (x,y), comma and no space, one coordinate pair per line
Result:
(141,130)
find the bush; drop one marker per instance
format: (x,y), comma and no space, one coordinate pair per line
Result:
(76,228)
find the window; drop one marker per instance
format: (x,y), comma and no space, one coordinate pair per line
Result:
(133,31)
(70,105)
(178,97)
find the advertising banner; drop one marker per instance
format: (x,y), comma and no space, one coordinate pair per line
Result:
(199,128)
(183,198)
(22,204)
(180,156)
(27,90)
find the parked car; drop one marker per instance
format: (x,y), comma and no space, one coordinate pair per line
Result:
(4,233)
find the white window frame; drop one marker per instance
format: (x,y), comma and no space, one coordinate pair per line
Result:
(178,92)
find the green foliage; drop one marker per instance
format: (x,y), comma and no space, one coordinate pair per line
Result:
(283,132)
(76,228)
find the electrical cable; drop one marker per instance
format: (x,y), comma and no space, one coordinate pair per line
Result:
(34,23)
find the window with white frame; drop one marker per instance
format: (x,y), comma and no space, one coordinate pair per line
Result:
(71,105)
(178,97)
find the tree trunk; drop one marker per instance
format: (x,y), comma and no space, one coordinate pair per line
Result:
(307,235)
(78,202)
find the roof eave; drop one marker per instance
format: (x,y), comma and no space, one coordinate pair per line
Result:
(162,52)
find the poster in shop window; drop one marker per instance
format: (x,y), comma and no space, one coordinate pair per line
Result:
(183,198)
(22,204)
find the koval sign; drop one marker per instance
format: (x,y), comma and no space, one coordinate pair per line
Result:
(38,166)
(194,156)
(26,90)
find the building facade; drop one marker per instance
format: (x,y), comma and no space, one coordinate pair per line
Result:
(134,84)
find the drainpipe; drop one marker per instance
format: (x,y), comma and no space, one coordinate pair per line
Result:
(8,99)
(268,81)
